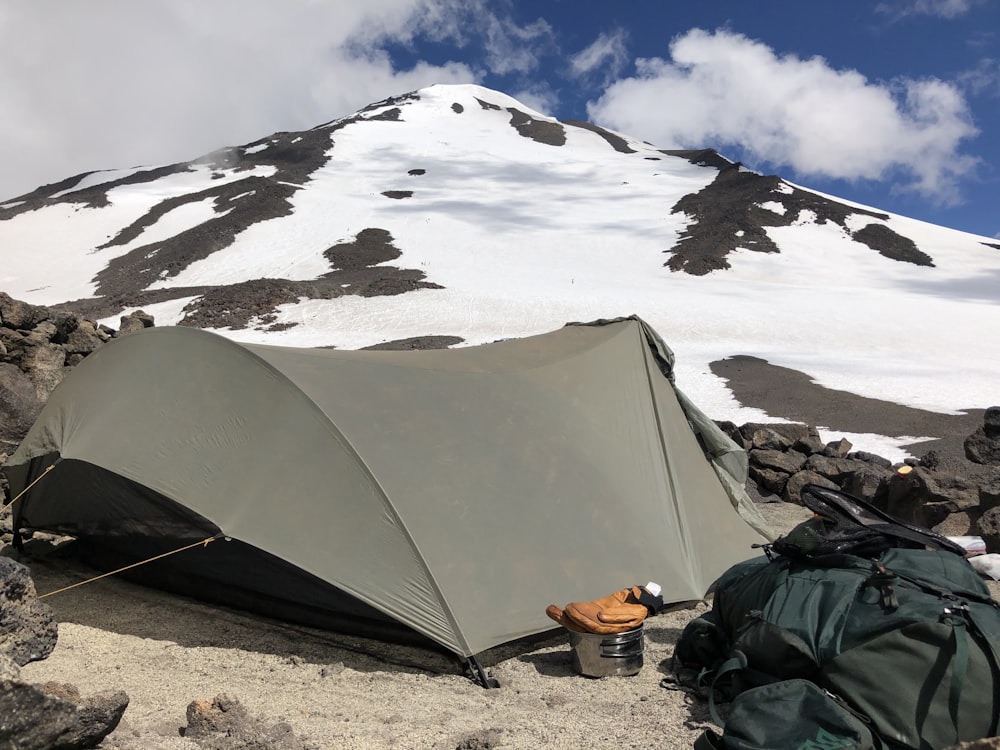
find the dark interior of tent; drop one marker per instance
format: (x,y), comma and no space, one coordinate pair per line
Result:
(117,522)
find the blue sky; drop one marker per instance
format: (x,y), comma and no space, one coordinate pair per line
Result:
(895,104)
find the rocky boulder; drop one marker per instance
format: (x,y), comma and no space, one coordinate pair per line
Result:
(42,344)
(225,724)
(950,496)
(53,716)
(28,631)
(19,405)
(983,446)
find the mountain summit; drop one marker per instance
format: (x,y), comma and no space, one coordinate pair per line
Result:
(458,212)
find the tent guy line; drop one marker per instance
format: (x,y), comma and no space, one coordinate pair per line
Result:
(203,543)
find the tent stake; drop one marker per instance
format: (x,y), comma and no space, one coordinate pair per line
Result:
(478,675)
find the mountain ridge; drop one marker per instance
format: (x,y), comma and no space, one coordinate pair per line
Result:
(701,248)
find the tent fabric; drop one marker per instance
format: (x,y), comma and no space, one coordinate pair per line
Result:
(457,491)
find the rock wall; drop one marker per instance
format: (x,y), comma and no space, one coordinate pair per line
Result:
(954,495)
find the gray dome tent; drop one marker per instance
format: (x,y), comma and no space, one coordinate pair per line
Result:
(448,493)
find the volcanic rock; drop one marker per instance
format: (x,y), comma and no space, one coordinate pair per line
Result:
(28,631)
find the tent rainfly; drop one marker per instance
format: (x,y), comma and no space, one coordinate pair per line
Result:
(447,495)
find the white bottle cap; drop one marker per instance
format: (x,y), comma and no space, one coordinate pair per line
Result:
(653,588)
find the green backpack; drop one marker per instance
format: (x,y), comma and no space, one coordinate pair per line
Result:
(790,715)
(904,635)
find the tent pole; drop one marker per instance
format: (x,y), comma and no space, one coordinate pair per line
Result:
(475,672)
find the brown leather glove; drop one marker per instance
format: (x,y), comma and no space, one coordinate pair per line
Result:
(559,615)
(614,613)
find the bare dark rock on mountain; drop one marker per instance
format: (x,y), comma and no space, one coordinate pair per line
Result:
(487,105)
(703,157)
(392,115)
(794,395)
(893,246)
(458,108)
(53,716)
(96,308)
(238,204)
(244,203)
(370,247)
(358,269)
(255,302)
(417,342)
(235,305)
(416,172)
(95,196)
(397,194)
(729,214)
(28,631)
(542,131)
(725,216)
(616,142)
(392,101)
(294,155)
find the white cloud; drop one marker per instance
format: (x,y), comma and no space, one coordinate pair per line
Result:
(607,53)
(984,79)
(939,8)
(722,89)
(506,47)
(115,83)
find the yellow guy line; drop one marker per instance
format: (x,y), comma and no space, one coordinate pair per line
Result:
(203,543)
(47,470)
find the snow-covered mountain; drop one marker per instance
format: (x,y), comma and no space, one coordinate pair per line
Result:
(456,211)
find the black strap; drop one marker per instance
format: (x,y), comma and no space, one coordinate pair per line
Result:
(709,740)
(737,662)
